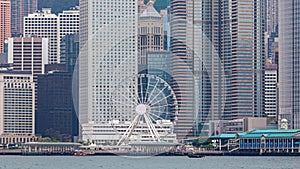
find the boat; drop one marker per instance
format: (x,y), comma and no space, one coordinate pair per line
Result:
(195,155)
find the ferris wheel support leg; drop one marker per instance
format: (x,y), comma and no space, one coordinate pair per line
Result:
(152,128)
(129,130)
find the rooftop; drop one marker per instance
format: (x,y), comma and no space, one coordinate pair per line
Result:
(260,133)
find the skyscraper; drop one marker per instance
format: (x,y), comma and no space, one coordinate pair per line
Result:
(248,58)
(20,9)
(17,107)
(108,56)
(217,61)
(5,20)
(289,67)
(151,33)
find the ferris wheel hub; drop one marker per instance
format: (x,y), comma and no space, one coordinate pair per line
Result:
(141,109)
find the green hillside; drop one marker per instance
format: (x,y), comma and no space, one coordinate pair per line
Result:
(57,5)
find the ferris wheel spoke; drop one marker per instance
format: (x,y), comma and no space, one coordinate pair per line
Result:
(147,90)
(141,86)
(131,92)
(153,90)
(157,115)
(158,105)
(165,98)
(159,93)
(128,99)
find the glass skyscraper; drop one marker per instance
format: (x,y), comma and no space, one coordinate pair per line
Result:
(289,62)
(19,9)
(217,61)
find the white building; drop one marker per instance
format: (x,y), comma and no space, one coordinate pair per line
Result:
(17,107)
(68,24)
(112,133)
(271,97)
(45,24)
(108,56)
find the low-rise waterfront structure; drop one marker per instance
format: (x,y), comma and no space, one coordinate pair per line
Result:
(260,141)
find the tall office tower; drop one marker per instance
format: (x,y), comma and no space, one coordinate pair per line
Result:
(272,16)
(271,27)
(17,107)
(151,34)
(271,90)
(55,114)
(108,56)
(68,24)
(45,24)
(5,20)
(248,58)
(166,18)
(20,9)
(289,67)
(216,66)
(28,54)
(69,50)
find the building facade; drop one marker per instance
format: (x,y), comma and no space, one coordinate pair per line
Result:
(5,20)
(45,24)
(69,50)
(20,9)
(217,60)
(28,54)
(17,108)
(271,91)
(55,115)
(108,56)
(289,67)
(151,33)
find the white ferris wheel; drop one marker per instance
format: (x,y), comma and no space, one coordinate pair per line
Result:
(144,99)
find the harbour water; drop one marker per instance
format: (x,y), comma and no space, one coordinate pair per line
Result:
(121,162)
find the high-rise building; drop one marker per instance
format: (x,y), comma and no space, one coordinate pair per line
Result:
(20,9)
(108,56)
(5,20)
(17,107)
(272,16)
(69,50)
(271,90)
(151,33)
(217,61)
(68,24)
(289,67)
(271,27)
(248,58)
(55,115)
(45,24)
(28,54)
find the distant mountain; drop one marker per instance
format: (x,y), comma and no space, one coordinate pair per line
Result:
(57,5)
(60,5)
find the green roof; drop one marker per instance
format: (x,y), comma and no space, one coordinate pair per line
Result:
(270,133)
(259,133)
(223,136)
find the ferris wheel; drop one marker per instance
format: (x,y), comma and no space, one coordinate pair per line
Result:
(144,99)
